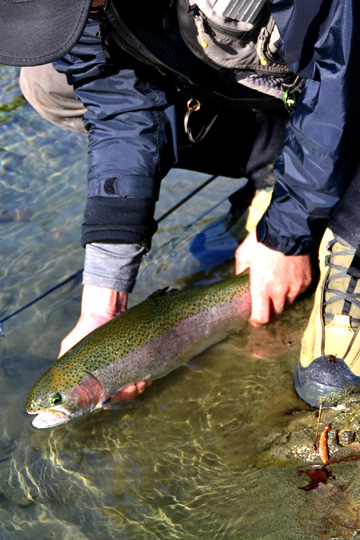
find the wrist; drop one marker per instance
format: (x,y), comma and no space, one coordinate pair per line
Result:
(102,301)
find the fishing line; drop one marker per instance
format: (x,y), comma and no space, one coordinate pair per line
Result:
(71,278)
(185,199)
(79,272)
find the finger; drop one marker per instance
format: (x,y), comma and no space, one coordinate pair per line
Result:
(241,263)
(66,344)
(133,390)
(140,386)
(260,309)
(279,303)
(297,289)
(291,297)
(130,392)
(79,331)
(244,254)
(240,267)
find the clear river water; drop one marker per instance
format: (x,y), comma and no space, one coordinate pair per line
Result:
(181,461)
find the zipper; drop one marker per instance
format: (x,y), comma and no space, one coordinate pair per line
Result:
(199,23)
(201,19)
(262,45)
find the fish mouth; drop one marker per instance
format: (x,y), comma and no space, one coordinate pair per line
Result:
(50,418)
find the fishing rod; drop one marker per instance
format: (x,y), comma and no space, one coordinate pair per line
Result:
(79,272)
(67,280)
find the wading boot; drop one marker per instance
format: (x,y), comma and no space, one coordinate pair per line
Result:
(329,364)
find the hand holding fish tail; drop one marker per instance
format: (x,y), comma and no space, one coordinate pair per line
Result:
(275,279)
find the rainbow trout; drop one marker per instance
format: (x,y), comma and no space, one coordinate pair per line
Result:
(142,344)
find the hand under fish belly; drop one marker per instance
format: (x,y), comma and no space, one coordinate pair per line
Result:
(143,344)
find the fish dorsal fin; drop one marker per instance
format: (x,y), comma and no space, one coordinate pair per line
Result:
(163,292)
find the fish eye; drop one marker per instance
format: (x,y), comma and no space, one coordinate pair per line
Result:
(55,398)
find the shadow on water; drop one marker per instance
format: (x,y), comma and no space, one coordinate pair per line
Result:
(183,461)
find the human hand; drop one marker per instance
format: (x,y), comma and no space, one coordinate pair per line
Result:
(98,305)
(275,279)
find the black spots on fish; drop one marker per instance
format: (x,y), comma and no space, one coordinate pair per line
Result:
(34,402)
(135,328)
(59,379)
(112,375)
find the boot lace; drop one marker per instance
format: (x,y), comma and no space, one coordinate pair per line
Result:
(348,298)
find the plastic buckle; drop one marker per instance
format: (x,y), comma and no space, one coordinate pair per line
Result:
(290,99)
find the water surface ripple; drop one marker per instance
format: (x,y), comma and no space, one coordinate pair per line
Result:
(181,462)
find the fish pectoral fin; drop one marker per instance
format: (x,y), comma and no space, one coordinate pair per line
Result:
(195,364)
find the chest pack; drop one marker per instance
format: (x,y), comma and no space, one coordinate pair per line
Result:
(239,35)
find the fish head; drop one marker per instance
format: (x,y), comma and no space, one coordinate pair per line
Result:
(64,392)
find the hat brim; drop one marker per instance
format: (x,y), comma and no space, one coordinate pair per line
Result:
(34,32)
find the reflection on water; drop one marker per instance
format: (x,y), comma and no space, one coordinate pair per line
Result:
(182,461)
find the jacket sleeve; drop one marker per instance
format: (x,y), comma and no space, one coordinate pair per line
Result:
(319,155)
(131,148)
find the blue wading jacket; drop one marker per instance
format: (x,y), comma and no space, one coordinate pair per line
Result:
(132,130)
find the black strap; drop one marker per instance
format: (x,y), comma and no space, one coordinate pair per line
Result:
(354,269)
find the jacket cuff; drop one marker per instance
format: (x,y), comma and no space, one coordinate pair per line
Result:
(287,245)
(119,220)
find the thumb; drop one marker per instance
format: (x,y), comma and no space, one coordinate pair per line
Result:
(243,256)
(240,266)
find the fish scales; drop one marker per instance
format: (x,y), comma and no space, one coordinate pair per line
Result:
(172,332)
(146,342)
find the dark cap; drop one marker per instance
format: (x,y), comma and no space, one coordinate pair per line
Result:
(34,32)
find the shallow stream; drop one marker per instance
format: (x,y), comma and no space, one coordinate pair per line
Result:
(180,462)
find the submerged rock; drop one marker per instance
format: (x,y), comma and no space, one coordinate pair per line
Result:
(297,443)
